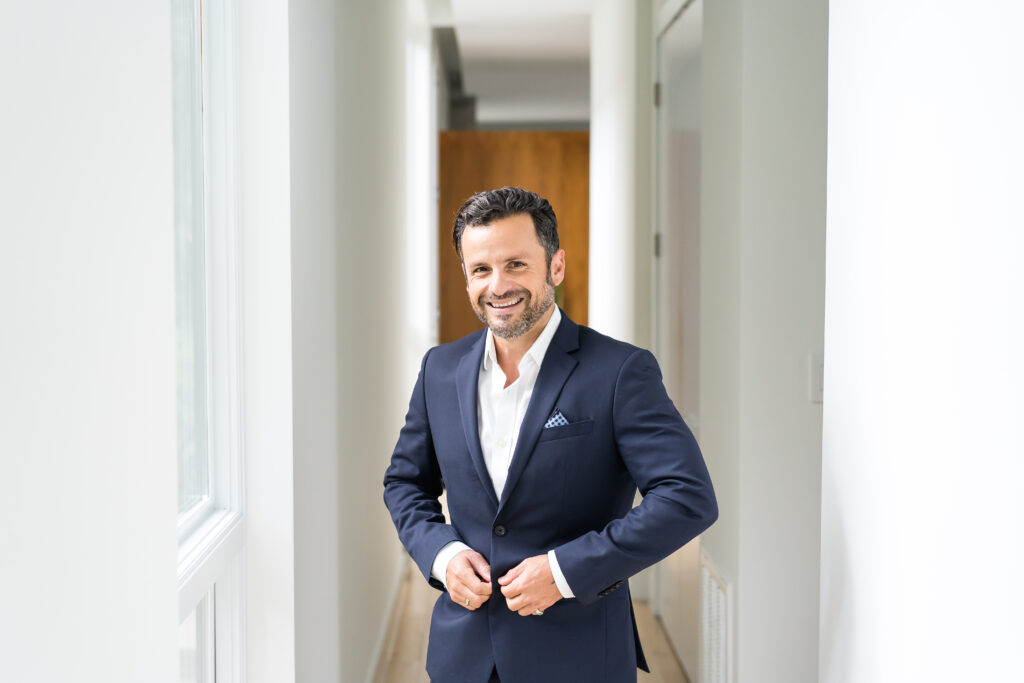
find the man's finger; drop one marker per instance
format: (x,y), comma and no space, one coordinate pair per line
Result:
(470,602)
(511,575)
(478,590)
(464,567)
(472,581)
(480,566)
(471,595)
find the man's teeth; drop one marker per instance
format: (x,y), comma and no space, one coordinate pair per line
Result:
(510,303)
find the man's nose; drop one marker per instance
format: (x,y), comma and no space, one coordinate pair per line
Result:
(500,285)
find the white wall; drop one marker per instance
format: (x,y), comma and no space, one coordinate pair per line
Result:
(721,218)
(424,115)
(782,300)
(87,395)
(370,211)
(762,284)
(527,92)
(348,211)
(923,505)
(677,598)
(88,400)
(621,100)
(315,338)
(270,577)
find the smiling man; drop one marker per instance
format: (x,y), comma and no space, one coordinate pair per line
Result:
(541,431)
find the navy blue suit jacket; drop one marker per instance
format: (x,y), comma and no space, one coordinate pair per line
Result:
(569,488)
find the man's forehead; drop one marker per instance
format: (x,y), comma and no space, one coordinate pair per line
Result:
(517,229)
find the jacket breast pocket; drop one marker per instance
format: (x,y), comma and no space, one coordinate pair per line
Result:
(564,431)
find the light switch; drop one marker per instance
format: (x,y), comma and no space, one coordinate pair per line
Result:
(816,374)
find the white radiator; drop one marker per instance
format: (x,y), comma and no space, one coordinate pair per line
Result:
(715,624)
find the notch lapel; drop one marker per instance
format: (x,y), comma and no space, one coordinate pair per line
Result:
(554,371)
(467,376)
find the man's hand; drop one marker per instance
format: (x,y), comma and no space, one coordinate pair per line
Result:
(530,586)
(469,579)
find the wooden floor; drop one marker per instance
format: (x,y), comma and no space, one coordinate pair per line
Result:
(406,660)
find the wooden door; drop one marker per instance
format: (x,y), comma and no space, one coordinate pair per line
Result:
(555,165)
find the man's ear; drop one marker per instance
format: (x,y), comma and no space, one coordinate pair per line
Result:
(558,267)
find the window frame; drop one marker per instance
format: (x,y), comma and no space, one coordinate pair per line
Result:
(211,533)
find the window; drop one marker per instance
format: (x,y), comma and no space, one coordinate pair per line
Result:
(196,644)
(190,261)
(208,324)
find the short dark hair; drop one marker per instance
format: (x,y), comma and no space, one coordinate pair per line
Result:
(484,208)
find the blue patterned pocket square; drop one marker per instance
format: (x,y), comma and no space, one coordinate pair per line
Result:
(556,420)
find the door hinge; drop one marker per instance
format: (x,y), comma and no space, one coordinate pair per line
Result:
(657,245)
(657,94)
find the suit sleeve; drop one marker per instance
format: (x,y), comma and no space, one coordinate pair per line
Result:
(412,486)
(664,460)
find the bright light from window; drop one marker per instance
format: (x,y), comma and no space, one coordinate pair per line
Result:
(195,644)
(190,265)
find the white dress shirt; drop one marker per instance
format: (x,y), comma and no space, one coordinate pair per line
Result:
(500,412)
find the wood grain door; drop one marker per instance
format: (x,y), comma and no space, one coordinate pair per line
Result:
(555,165)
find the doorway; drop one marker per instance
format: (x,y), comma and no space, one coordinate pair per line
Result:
(555,165)
(677,289)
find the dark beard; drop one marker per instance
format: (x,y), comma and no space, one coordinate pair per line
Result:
(532,312)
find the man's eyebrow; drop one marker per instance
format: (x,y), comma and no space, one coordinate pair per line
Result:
(515,257)
(508,259)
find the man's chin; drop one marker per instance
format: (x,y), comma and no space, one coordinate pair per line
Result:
(507,329)
(504,330)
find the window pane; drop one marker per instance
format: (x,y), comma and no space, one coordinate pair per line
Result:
(196,644)
(190,257)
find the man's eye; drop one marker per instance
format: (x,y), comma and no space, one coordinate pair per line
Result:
(517,264)
(481,269)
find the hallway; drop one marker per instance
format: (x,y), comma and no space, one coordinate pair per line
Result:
(408,632)
(221,242)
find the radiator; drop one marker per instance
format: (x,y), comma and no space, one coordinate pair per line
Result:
(715,624)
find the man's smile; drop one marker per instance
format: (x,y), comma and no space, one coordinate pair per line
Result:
(499,305)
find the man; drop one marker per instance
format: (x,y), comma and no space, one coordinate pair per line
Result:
(540,430)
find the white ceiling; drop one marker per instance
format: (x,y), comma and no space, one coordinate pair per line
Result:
(523,30)
(525,60)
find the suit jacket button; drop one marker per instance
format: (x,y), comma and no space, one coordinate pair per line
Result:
(500,530)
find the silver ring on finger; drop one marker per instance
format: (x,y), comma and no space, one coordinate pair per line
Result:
(538,612)
(467,602)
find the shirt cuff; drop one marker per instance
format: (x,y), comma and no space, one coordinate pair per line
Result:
(556,571)
(439,570)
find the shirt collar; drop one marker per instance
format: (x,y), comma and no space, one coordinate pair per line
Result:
(536,352)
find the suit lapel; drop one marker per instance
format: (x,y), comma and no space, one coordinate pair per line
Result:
(466,381)
(554,371)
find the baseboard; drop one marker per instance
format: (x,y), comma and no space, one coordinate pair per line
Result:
(385,644)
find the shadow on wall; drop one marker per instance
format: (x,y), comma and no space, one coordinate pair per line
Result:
(835,607)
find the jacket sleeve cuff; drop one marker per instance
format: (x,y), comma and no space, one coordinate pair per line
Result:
(556,571)
(439,570)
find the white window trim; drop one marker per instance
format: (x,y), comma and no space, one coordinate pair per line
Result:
(200,524)
(211,534)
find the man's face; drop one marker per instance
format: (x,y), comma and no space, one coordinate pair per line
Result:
(509,282)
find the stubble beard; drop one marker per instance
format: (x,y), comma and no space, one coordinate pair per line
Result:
(533,311)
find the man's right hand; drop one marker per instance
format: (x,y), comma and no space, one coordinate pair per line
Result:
(469,580)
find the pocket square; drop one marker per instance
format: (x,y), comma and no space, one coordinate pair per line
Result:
(556,420)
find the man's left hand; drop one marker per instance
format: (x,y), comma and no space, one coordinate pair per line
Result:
(530,586)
